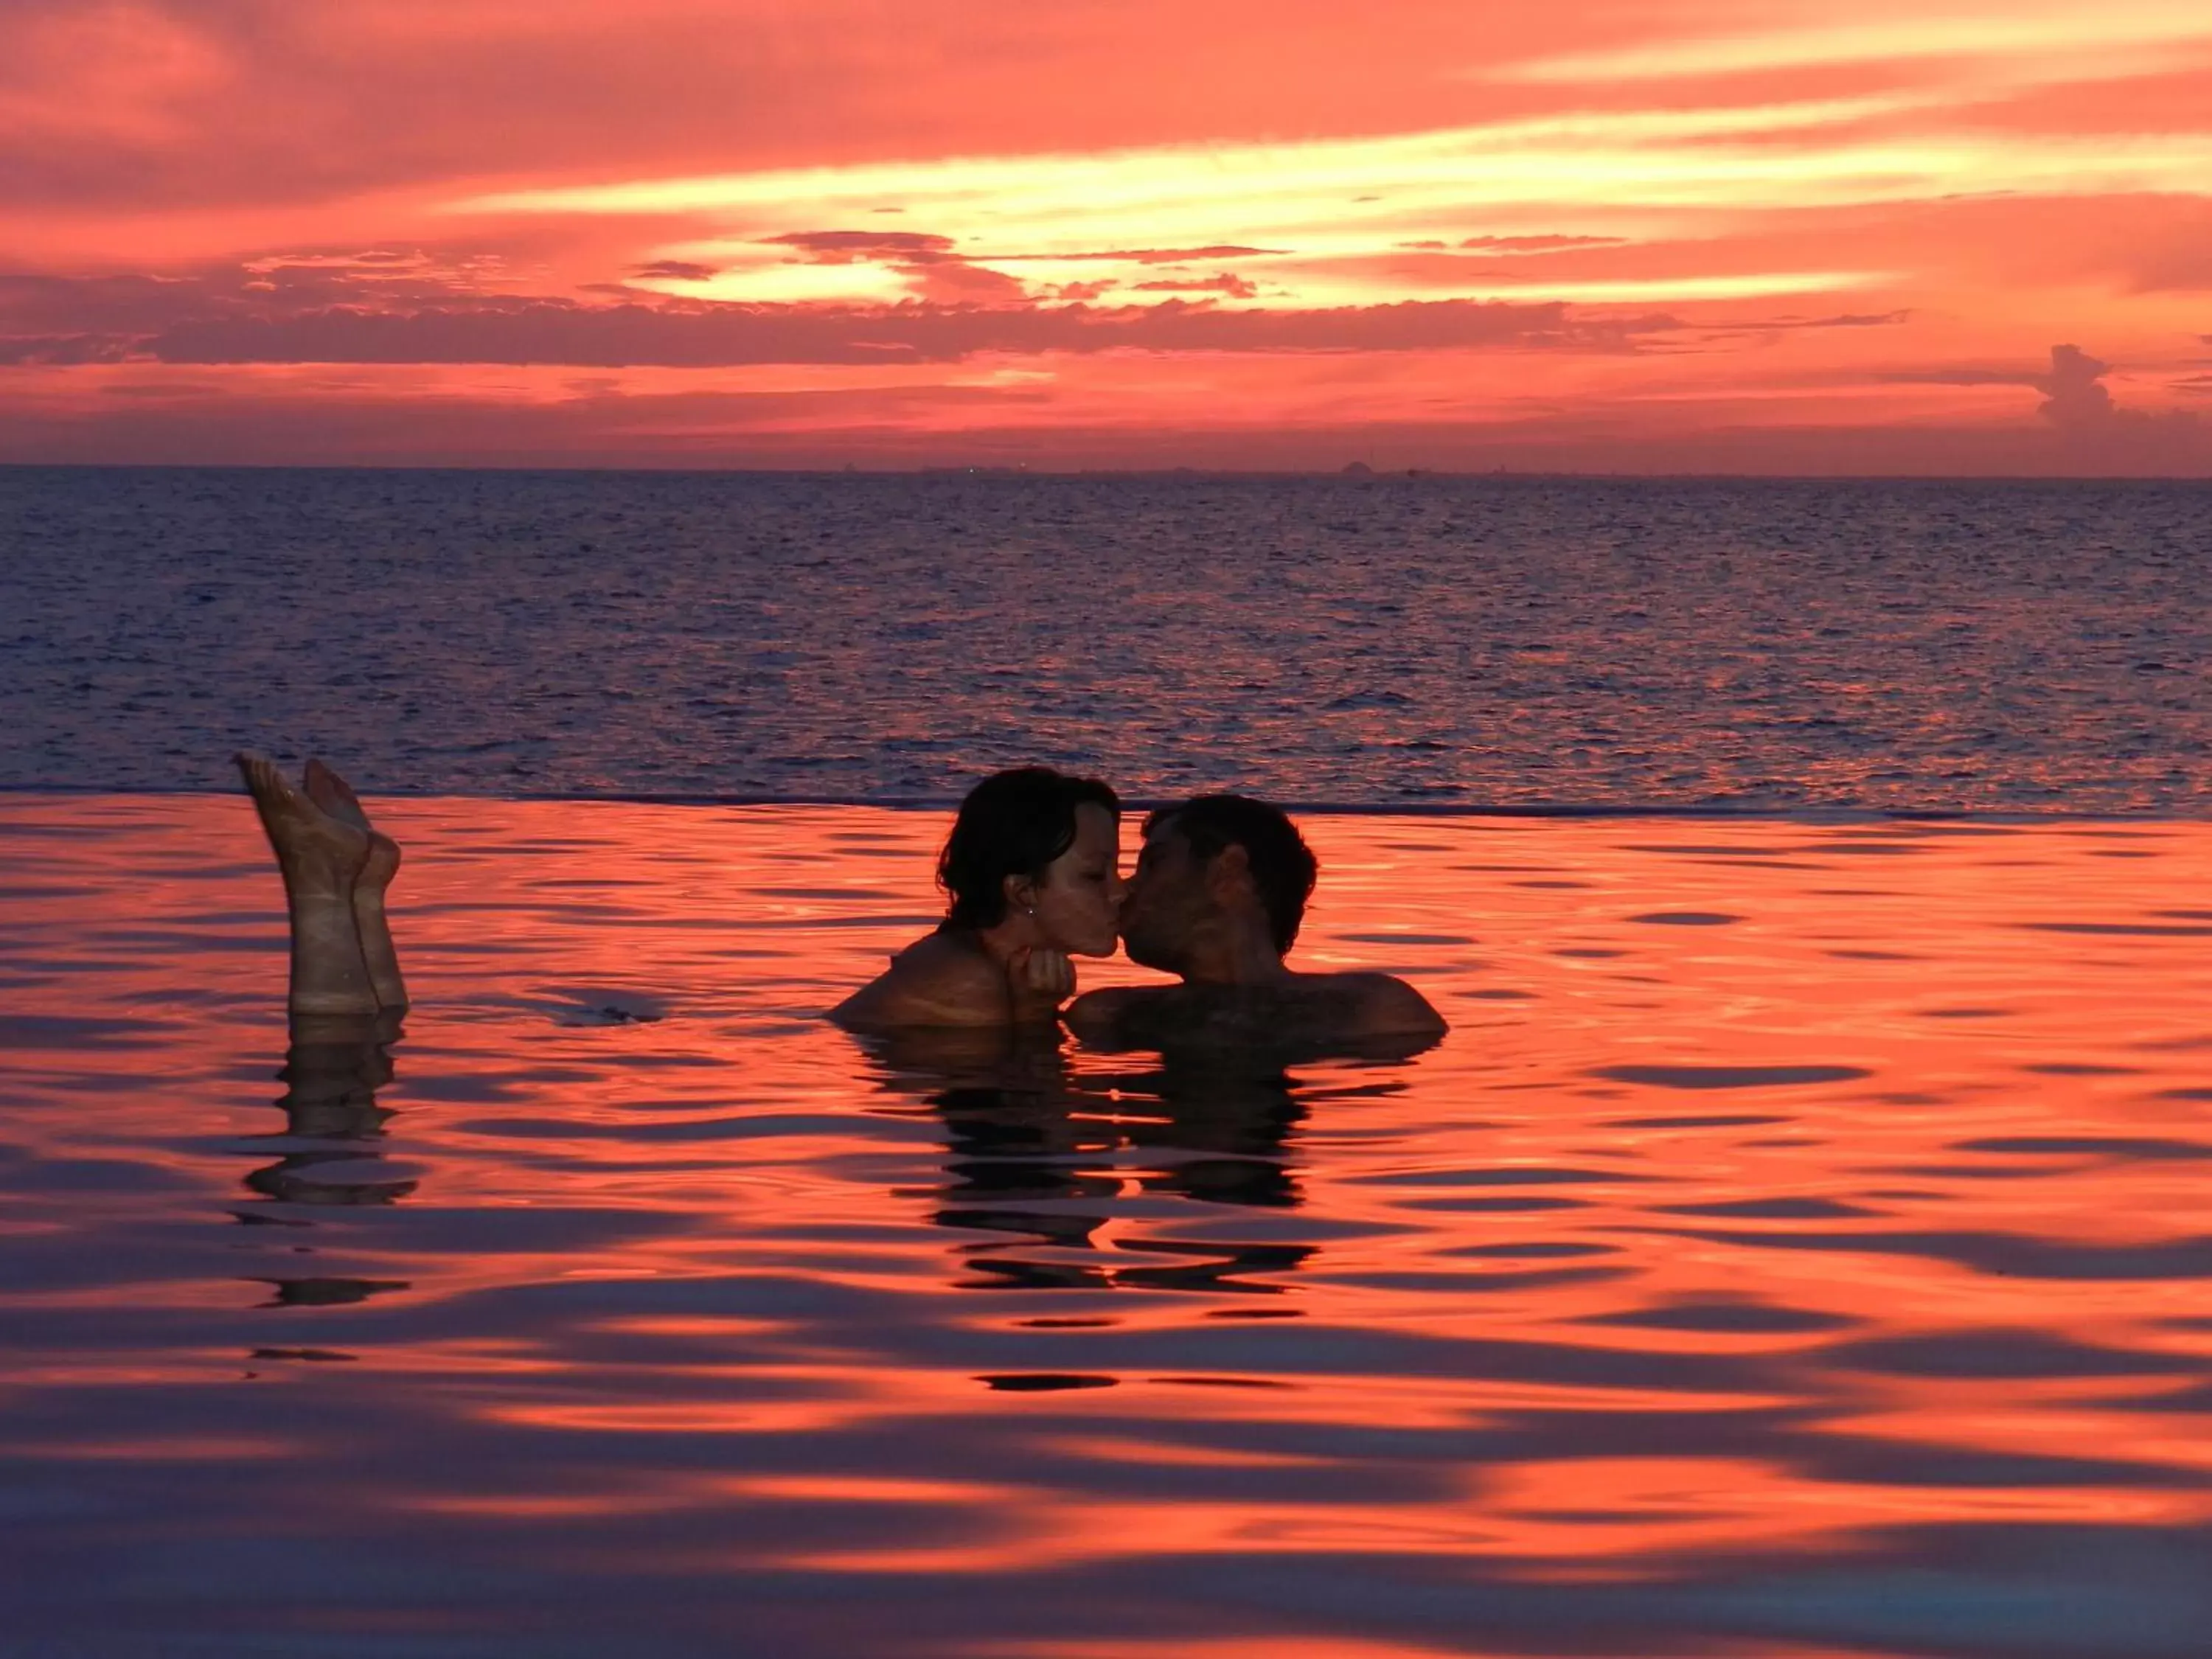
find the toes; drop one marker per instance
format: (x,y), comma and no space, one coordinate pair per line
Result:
(334,794)
(286,814)
(265,779)
(331,775)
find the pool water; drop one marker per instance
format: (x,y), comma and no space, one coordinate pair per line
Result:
(1799,1247)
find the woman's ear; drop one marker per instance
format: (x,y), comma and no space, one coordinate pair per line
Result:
(1021,896)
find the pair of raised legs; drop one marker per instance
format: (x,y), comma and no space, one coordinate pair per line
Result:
(337,866)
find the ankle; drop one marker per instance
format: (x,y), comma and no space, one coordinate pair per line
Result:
(318,902)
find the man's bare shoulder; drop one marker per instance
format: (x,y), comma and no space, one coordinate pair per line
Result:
(1381,1004)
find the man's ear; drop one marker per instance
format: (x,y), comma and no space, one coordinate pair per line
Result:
(1229,877)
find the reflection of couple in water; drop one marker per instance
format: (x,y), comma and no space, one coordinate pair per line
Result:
(1031,874)
(972,1011)
(1042,1152)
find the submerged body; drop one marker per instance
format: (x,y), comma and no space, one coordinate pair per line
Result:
(1308,1013)
(1219,895)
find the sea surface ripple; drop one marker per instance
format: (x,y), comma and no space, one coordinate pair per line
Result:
(1798,1248)
(1467,642)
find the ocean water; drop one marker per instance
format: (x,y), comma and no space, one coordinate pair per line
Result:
(1458,642)
(1798,1248)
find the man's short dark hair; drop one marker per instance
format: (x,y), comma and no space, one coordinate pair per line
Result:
(1282,866)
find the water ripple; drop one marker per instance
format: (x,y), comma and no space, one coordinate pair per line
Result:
(626,1295)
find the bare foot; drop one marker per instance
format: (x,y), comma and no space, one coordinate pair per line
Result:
(322,858)
(336,797)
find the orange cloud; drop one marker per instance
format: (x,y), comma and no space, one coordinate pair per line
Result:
(1647,235)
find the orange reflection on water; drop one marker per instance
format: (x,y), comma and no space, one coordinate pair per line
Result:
(1782,1191)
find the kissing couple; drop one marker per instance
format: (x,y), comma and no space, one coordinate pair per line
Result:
(1031,875)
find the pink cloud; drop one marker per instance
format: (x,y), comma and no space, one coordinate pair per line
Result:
(158,147)
(680,271)
(1145,256)
(333,313)
(155,104)
(1531,244)
(2080,407)
(2075,395)
(1228,282)
(844,246)
(895,426)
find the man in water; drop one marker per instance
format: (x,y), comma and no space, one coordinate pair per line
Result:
(1220,889)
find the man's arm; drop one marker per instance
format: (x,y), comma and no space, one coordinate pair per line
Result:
(1096,1017)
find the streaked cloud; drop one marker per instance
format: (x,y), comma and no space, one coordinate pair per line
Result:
(2019,42)
(1277,215)
(326,315)
(1687,228)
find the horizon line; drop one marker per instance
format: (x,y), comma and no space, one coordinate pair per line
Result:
(1809,811)
(1352,473)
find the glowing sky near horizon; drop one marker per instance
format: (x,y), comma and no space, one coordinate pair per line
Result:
(1706,234)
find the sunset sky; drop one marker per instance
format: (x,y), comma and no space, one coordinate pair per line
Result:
(1948,236)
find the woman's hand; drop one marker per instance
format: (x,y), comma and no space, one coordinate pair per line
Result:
(1039,979)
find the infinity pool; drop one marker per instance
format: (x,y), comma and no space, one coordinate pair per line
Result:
(1799,1247)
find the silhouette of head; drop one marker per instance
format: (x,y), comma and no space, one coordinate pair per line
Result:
(1044,844)
(1213,864)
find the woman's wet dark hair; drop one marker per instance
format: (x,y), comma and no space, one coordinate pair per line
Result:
(1012,823)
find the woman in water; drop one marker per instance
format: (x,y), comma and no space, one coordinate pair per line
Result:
(1030,870)
(1031,876)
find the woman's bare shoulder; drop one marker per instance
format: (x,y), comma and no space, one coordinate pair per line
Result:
(937,980)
